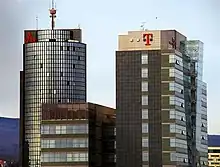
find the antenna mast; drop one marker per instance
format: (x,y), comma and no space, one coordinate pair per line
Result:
(37,22)
(53,15)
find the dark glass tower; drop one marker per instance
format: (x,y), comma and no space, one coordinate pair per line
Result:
(54,71)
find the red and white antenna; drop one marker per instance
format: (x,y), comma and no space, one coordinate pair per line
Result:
(53,12)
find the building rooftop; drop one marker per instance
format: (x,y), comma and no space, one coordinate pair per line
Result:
(214,140)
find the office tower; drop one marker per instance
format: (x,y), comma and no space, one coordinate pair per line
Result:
(54,71)
(161,117)
(214,150)
(78,134)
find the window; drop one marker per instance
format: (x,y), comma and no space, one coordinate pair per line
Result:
(172,100)
(173,156)
(171,72)
(144,73)
(144,58)
(172,114)
(145,156)
(172,58)
(175,73)
(172,142)
(144,86)
(175,87)
(172,128)
(144,127)
(144,142)
(171,86)
(144,113)
(144,100)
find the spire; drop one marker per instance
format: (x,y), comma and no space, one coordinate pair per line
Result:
(53,15)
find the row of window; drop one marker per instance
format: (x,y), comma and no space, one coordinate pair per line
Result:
(173,100)
(49,91)
(178,143)
(174,114)
(175,59)
(50,53)
(65,129)
(64,157)
(174,128)
(178,157)
(54,55)
(176,101)
(80,73)
(53,32)
(173,86)
(173,72)
(173,143)
(55,48)
(64,143)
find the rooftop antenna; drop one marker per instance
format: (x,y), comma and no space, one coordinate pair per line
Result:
(78,26)
(37,22)
(53,15)
(143,25)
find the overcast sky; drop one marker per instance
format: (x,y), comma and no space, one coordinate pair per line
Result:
(101,22)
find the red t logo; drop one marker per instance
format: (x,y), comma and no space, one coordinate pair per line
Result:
(29,38)
(148,38)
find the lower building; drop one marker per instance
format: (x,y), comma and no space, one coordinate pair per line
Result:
(80,135)
(214,150)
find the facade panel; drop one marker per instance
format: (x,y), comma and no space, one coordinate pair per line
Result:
(128,120)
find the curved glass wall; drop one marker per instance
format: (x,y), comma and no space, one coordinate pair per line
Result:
(55,72)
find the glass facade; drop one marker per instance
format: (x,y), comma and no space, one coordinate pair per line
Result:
(65,157)
(194,49)
(65,129)
(54,72)
(64,143)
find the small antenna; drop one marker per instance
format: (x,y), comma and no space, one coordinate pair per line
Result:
(78,26)
(53,15)
(143,25)
(36,22)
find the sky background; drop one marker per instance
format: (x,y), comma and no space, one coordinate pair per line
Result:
(102,21)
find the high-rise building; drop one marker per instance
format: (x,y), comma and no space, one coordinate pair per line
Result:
(54,71)
(214,150)
(161,117)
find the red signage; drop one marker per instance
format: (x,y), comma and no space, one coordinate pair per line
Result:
(30,37)
(148,38)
